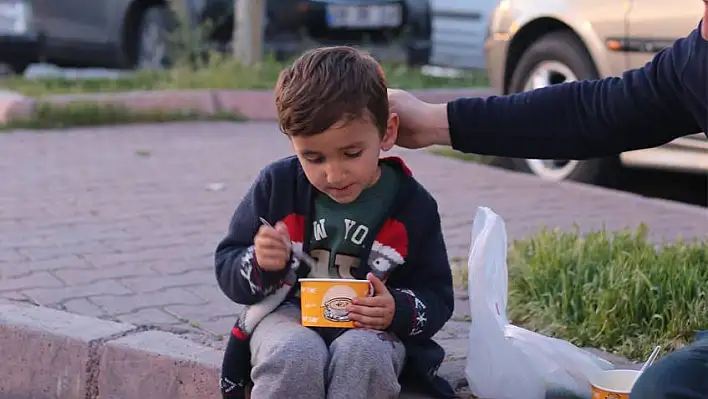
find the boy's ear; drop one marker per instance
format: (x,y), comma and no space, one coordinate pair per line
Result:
(391,134)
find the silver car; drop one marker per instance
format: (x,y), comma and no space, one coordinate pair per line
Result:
(536,43)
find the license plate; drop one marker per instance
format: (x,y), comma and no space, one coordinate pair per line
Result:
(364,16)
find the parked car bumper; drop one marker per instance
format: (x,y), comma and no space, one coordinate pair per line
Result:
(19,51)
(287,34)
(400,51)
(292,27)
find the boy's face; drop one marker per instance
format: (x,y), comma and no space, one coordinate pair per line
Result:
(343,160)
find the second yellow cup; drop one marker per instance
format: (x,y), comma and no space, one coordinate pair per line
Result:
(613,384)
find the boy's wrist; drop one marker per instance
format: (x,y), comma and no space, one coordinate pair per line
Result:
(403,314)
(272,277)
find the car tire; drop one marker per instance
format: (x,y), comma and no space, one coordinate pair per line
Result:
(417,57)
(152,44)
(13,69)
(559,53)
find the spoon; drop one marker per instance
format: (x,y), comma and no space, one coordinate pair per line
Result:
(651,359)
(296,251)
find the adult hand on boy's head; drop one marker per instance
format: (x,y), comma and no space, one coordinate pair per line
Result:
(374,312)
(420,124)
(271,247)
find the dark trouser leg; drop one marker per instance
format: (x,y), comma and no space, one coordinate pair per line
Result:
(682,374)
(235,368)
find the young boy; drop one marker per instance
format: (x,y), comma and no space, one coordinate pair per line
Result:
(360,217)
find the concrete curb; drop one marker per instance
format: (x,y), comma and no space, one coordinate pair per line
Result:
(256,105)
(53,354)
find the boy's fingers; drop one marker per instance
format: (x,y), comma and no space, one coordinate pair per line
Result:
(282,229)
(370,301)
(366,311)
(366,320)
(379,286)
(270,242)
(266,255)
(265,230)
(274,254)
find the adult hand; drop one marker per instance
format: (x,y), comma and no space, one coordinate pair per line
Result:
(271,247)
(374,312)
(420,124)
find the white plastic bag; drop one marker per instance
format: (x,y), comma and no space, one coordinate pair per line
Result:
(505,361)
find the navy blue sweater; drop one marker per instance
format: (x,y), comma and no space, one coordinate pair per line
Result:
(421,286)
(646,107)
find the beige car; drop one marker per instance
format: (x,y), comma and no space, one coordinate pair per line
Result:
(536,43)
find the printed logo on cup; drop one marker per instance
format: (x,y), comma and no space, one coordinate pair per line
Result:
(324,302)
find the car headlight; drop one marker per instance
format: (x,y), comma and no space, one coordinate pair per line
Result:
(500,20)
(15,17)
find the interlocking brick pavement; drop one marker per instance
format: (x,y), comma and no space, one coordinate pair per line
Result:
(121,223)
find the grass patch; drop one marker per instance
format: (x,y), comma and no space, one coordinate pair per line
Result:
(49,116)
(450,153)
(219,72)
(613,291)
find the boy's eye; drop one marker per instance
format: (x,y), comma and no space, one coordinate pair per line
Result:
(354,154)
(315,159)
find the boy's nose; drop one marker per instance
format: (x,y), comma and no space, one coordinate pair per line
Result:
(335,180)
(335,175)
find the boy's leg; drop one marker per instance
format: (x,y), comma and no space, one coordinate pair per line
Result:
(235,367)
(682,374)
(289,360)
(365,364)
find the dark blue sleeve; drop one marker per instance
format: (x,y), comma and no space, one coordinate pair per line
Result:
(424,298)
(237,270)
(645,108)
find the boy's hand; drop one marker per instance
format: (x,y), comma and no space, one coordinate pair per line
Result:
(374,312)
(271,246)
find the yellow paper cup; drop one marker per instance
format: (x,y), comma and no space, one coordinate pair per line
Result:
(324,301)
(613,384)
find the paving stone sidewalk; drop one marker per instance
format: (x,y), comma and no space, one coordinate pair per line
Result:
(121,223)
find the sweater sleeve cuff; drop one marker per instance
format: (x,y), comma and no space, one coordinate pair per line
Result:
(404,315)
(453,125)
(271,278)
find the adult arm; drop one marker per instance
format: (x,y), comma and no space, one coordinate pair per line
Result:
(645,108)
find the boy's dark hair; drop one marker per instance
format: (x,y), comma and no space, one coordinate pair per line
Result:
(329,84)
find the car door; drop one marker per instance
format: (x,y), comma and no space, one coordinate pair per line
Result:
(73,29)
(655,24)
(459,28)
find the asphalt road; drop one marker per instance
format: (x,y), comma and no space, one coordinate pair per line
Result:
(682,187)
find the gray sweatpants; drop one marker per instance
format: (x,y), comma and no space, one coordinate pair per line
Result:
(292,361)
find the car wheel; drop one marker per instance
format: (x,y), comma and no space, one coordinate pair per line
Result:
(9,70)
(152,39)
(559,57)
(417,57)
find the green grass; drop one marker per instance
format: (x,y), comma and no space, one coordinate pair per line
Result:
(219,73)
(613,291)
(48,116)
